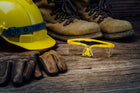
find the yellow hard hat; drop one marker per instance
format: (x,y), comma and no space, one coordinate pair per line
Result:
(21,24)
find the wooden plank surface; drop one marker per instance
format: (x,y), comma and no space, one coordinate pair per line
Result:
(117,74)
(120,73)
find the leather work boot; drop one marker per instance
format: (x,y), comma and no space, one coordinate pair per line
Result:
(62,21)
(98,11)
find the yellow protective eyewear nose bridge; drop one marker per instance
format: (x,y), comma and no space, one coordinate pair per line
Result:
(87,50)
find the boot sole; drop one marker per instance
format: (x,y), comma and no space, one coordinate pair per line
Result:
(66,37)
(119,35)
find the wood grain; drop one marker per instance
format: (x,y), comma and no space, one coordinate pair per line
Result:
(117,74)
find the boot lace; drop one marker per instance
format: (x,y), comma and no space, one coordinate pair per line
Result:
(64,9)
(99,7)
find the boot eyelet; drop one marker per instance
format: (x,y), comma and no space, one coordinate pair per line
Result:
(61,20)
(57,17)
(91,12)
(100,20)
(52,14)
(87,10)
(67,23)
(95,16)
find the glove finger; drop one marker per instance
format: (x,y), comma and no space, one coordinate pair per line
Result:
(28,71)
(17,72)
(48,64)
(4,73)
(38,73)
(61,64)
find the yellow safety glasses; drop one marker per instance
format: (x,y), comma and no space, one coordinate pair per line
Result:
(90,43)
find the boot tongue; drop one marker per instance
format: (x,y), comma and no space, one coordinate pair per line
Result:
(64,9)
(94,3)
(104,5)
(99,7)
(100,4)
(66,6)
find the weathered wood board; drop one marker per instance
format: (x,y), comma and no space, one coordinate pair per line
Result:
(117,74)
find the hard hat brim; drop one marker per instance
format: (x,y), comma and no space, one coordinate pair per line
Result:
(47,42)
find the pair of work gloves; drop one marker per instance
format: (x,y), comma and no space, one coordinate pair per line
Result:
(19,68)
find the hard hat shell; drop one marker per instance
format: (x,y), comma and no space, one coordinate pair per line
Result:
(20,13)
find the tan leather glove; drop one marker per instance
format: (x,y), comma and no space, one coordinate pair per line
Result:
(20,67)
(17,67)
(52,63)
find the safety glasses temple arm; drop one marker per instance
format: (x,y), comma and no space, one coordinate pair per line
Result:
(103,43)
(75,43)
(107,45)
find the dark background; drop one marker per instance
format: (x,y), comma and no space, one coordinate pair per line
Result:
(127,10)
